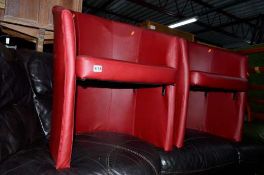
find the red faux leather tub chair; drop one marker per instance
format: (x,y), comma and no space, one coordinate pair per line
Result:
(218,83)
(115,77)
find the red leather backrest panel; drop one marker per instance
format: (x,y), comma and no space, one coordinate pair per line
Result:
(214,60)
(223,115)
(101,38)
(228,63)
(154,112)
(104,109)
(108,39)
(200,57)
(157,49)
(197,110)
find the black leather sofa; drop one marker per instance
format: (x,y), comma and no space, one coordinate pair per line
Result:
(25,110)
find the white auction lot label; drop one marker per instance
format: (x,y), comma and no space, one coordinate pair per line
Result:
(97,68)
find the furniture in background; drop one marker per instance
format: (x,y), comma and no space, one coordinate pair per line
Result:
(32,19)
(254,124)
(256,87)
(165,29)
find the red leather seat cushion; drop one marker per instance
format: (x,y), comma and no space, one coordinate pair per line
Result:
(211,80)
(122,71)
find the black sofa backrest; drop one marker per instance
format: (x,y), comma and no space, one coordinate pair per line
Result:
(39,74)
(19,125)
(13,88)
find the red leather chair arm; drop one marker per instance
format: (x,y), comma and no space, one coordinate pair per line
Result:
(210,80)
(121,71)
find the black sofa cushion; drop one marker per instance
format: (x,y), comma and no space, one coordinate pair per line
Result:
(251,153)
(18,129)
(96,153)
(251,156)
(201,154)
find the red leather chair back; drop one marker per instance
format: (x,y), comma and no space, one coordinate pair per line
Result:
(217,111)
(217,61)
(133,111)
(154,113)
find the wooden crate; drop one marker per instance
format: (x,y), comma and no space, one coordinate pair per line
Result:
(32,19)
(162,28)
